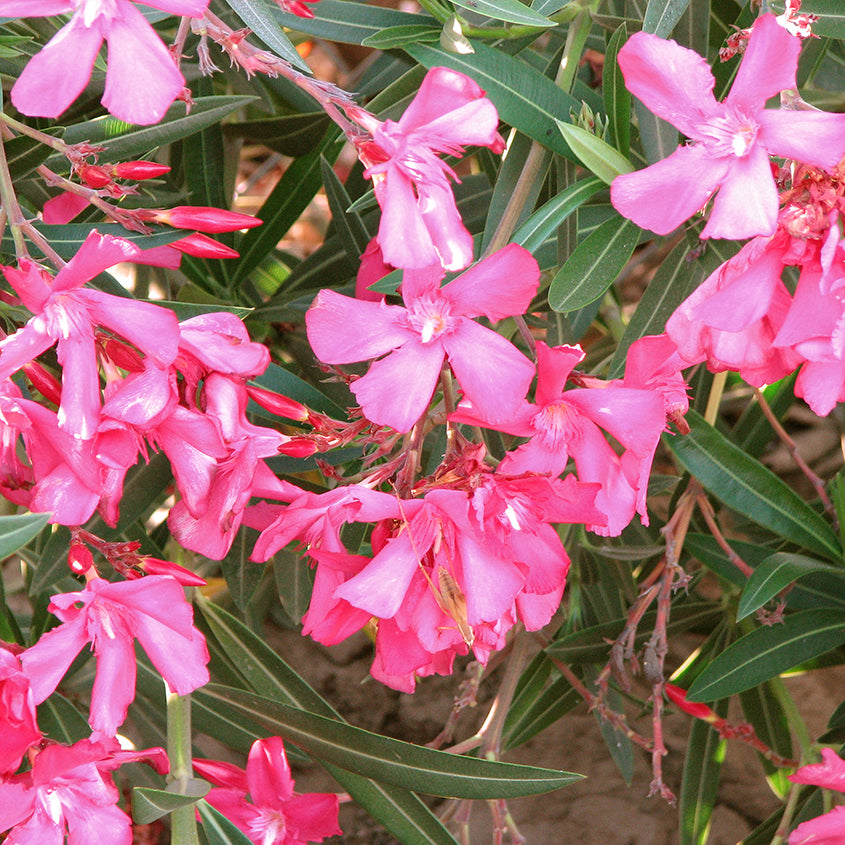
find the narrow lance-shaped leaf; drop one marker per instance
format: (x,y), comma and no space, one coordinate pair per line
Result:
(768,651)
(748,487)
(594,265)
(776,573)
(17,530)
(662,15)
(617,99)
(387,760)
(595,154)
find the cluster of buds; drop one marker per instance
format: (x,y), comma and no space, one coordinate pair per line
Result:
(795,23)
(102,177)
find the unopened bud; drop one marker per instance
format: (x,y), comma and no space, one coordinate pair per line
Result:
(205,219)
(139,170)
(201,246)
(299,447)
(93,175)
(79,558)
(44,382)
(678,697)
(154,566)
(277,404)
(124,356)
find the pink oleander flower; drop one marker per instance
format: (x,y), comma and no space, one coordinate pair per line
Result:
(434,326)
(69,792)
(274,813)
(732,318)
(18,725)
(420,224)
(827,829)
(142,79)
(731,140)
(66,314)
(110,616)
(567,423)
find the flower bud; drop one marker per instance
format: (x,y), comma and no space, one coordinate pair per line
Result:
(154,566)
(139,170)
(93,175)
(678,697)
(79,558)
(277,404)
(201,246)
(44,382)
(205,219)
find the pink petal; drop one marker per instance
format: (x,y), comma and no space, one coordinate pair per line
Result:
(442,91)
(442,220)
(673,82)
(55,77)
(768,65)
(497,287)
(397,389)
(191,8)
(747,202)
(821,386)
(342,329)
(114,683)
(828,829)
(535,456)
(663,196)
(79,413)
(554,366)
(142,79)
(27,343)
(490,583)
(47,661)
(34,8)
(268,773)
(63,208)
(313,816)
(493,373)
(813,137)
(222,774)
(402,233)
(829,774)
(97,253)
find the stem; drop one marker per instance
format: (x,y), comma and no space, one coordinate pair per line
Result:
(183,821)
(715,397)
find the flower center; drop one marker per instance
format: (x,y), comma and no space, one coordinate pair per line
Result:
(267,827)
(90,10)
(431,317)
(733,134)
(555,426)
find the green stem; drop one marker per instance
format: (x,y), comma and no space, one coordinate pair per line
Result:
(576,38)
(182,821)
(796,721)
(42,137)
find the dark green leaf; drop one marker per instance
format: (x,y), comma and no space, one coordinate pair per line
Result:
(596,155)
(617,100)
(748,487)
(596,262)
(510,11)
(280,380)
(659,138)
(387,760)
(59,720)
(762,708)
(291,134)
(218,829)
(348,224)
(399,36)
(776,573)
(24,154)
(831,22)
(151,804)
(18,529)
(768,651)
(293,582)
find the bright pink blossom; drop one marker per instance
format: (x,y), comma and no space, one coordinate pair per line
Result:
(111,616)
(68,315)
(274,813)
(434,325)
(732,140)
(420,223)
(142,79)
(69,792)
(567,423)
(18,725)
(828,829)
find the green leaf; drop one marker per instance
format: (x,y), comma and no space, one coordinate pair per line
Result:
(218,829)
(662,15)
(350,228)
(151,804)
(659,138)
(294,583)
(24,154)
(125,140)
(751,489)
(387,760)
(17,530)
(523,96)
(617,98)
(66,240)
(510,11)
(280,380)
(291,134)
(258,16)
(700,785)
(768,651)
(59,720)
(543,223)
(776,573)
(596,262)
(187,310)
(762,709)
(595,154)
(399,36)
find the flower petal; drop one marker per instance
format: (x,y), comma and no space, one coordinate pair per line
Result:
(813,137)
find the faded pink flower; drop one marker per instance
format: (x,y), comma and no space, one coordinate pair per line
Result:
(69,792)
(434,325)
(274,813)
(731,140)
(142,79)
(420,223)
(152,609)
(827,829)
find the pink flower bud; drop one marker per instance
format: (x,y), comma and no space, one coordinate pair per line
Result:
(299,447)
(139,170)
(678,697)
(122,354)
(277,404)
(93,175)
(79,558)
(44,382)
(205,218)
(154,566)
(202,246)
